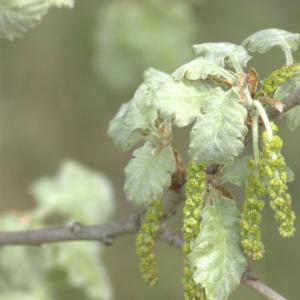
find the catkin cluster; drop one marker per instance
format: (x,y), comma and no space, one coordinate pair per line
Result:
(278,77)
(273,170)
(145,242)
(251,215)
(194,192)
(268,178)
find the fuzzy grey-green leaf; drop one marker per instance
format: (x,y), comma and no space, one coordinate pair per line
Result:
(141,113)
(201,68)
(122,134)
(235,172)
(232,55)
(218,133)
(17,17)
(148,173)
(216,256)
(293,115)
(263,40)
(183,100)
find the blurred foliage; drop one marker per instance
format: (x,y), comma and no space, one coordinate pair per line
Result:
(17,17)
(133,35)
(52,105)
(26,271)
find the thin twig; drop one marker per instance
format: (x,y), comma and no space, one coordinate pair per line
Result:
(107,233)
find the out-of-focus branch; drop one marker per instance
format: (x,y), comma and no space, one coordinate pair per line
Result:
(106,234)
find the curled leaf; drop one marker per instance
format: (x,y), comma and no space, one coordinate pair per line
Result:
(201,68)
(263,40)
(232,55)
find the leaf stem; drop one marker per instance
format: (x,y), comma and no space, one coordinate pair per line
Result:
(264,118)
(288,56)
(254,119)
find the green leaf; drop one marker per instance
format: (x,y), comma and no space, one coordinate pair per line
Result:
(183,100)
(235,172)
(263,40)
(148,173)
(217,134)
(17,17)
(155,78)
(232,55)
(122,134)
(201,68)
(75,192)
(137,118)
(215,253)
(84,269)
(293,115)
(141,113)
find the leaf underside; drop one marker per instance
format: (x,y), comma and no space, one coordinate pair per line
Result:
(232,55)
(263,40)
(201,68)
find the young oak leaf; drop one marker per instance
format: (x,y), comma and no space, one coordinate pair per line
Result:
(293,115)
(263,40)
(148,173)
(217,135)
(215,254)
(141,113)
(137,117)
(235,172)
(201,68)
(121,134)
(155,78)
(229,54)
(17,16)
(183,100)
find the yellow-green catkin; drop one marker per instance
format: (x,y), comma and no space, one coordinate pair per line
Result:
(278,77)
(273,169)
(194,192)
(145,242)
(250,220)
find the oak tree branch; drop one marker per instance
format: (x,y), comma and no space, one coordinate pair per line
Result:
(106,233)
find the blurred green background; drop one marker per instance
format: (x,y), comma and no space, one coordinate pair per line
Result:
(62,83)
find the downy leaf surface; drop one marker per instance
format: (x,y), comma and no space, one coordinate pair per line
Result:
(217,136)
(148,173)
(215,254)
